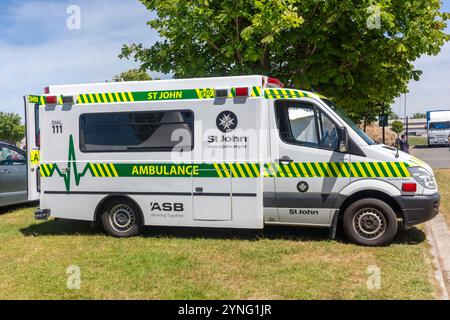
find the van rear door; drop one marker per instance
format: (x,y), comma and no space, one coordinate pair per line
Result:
(33,145)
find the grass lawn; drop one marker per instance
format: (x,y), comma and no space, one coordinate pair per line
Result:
(203,264)
(417,141)
(443,179)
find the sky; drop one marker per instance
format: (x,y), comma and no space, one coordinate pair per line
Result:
(38,49)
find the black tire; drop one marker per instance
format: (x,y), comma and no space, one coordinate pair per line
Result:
(121,218)
(370,222)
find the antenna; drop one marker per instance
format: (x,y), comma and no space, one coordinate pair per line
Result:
(307,80)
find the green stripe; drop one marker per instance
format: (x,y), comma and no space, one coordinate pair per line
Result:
(385,174)
(402,173)
(392,169)
(322,166)
(355,166)
(374,169)
(208,170)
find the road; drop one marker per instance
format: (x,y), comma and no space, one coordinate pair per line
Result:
(435,157)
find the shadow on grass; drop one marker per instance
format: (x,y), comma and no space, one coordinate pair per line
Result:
(411,236)
(22,206)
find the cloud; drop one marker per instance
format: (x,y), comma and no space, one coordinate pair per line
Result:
(433,90)
(37,49)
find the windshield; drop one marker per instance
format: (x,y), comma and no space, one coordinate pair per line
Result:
(349,122)
(439,125)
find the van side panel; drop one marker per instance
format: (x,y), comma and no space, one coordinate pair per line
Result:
(171,189)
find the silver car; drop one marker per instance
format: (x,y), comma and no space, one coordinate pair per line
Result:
(13,175)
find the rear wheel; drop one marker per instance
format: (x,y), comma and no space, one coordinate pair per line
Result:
(370,222)
(121,218)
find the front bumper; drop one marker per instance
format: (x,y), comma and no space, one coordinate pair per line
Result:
(418,209)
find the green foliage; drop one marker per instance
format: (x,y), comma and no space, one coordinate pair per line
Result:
(11,128)
(419,115)
(393,115)
(325,45)
(397,127)
(133,75)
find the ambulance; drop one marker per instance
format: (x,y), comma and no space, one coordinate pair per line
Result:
(228,152)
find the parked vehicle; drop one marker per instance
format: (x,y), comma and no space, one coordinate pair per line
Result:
(231,152)
(438,127)
(13,175)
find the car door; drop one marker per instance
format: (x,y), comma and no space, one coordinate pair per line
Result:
(13,184)
(309,171)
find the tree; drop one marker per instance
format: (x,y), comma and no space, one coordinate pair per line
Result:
(133,75)
(419,115)
(393,115)
(11,128)
(331,46)
(397,127)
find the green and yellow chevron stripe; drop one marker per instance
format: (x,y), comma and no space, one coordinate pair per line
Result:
(103,170)
(337,170)
(47,170)
(105,97)
(244,170)
(284,94)
(119,97)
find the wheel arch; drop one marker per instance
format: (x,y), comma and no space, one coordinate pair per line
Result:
(376,194)
(101,205)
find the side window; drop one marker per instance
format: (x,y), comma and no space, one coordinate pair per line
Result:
(10,157)
(328,133)
(137,131)
(301,123)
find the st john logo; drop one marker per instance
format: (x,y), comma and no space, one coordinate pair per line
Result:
(302,187)
(226,121)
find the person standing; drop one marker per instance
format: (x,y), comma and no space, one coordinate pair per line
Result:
(403,143)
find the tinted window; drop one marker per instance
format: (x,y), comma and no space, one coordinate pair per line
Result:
(137,131)
(440,125)
(329,138)
(349,122)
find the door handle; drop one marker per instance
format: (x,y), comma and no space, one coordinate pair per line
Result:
(285,160)
(199,189)
(5,171)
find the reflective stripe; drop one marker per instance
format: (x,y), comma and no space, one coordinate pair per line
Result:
(239,170)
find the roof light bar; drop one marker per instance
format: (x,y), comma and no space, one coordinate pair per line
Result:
(273,82)
(242,92)
(51,100)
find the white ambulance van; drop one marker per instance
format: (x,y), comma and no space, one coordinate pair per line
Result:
(230,152)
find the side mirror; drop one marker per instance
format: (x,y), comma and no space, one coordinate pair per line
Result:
(343,139)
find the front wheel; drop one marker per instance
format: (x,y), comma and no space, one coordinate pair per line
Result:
(121,218)
(370,222)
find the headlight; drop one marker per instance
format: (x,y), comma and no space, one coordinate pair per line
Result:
(423,177)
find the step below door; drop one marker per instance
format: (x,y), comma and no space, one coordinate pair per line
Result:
(212,198)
